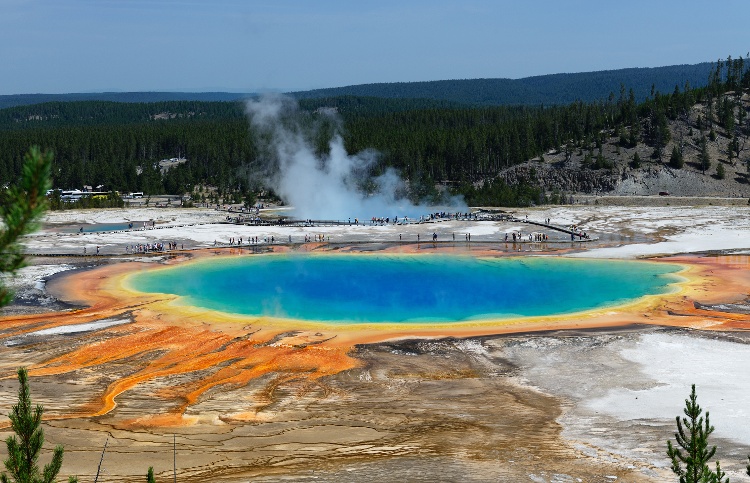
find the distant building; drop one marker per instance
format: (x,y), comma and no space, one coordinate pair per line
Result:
(166,164)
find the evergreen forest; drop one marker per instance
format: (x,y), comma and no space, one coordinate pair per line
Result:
(430,141)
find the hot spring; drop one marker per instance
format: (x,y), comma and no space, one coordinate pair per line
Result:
(405,288)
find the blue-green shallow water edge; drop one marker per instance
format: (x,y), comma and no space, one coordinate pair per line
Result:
(405,288)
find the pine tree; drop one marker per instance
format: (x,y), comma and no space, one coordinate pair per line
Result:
(720,171)
(692,436)
(636,161)
(733,149)
(705,158)
(675,160)
(20,209)
(150,477)
(719,476)
(23,452)
(634,134)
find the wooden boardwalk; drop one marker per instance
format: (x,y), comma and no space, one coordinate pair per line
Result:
(552,227)
(575,236)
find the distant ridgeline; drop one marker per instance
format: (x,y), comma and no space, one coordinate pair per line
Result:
(27,99)
(545,89)
(430,138)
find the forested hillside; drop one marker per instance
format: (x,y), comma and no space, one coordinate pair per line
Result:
(546,89)
(28,99)
(76,113)
(481,152)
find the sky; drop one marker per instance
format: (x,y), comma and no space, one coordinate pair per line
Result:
(64,46)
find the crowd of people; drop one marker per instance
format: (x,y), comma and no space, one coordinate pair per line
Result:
(515,236)
(253,240)
(440,215)
(149,247)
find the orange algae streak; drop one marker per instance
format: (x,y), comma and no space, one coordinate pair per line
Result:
(162,352)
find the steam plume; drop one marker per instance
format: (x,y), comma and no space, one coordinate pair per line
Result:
(325,183)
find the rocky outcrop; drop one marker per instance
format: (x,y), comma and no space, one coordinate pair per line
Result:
(552,178)
(650,179)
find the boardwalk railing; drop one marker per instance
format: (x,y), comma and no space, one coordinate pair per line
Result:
(551,227)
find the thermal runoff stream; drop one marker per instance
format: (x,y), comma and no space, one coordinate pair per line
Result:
(405,288)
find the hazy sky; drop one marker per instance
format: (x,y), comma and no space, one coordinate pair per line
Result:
(57,46)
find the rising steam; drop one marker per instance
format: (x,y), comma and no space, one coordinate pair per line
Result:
(325,183)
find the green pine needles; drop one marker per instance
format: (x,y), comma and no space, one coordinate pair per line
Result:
(691,463)
(24,448)
(21,207)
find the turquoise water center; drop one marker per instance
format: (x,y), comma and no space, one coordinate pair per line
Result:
(405,288)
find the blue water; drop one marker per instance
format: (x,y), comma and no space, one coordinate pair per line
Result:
(381,288)
(102,227)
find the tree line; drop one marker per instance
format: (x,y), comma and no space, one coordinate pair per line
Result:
(119,145)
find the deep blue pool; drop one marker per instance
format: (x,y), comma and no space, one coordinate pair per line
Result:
(405,288)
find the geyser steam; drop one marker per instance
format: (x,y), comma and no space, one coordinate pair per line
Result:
(328,185)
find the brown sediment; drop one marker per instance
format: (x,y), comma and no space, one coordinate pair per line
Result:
(189,353)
